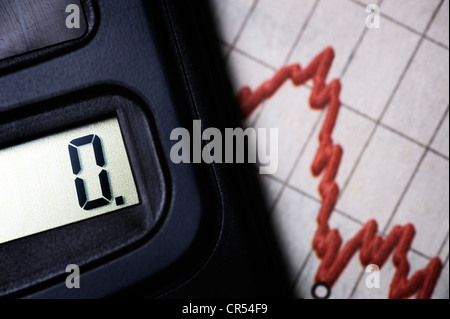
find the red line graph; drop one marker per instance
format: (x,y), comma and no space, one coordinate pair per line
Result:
(327,242)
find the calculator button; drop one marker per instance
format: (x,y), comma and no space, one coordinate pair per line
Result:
(27,25)
(12,39)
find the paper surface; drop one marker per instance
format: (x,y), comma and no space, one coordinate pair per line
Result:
(393,125)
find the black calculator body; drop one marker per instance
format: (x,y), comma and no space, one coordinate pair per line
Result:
(124,76)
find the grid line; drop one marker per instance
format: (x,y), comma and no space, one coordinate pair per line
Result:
(299,35)
(355,49)
(241,29)
(255,59)
(445,260)
(355,286)
(302,267)
(441,122)
(443,244)
(405,190)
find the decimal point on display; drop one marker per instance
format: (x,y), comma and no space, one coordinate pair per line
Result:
(119,201)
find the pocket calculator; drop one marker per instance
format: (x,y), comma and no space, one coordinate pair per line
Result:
(90,91)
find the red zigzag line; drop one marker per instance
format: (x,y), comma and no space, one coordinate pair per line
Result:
(373,249)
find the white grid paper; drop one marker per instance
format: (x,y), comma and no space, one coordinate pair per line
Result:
(393,124)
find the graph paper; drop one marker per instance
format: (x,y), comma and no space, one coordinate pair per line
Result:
(393,125)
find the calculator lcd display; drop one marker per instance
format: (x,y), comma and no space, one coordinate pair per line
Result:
(64,178)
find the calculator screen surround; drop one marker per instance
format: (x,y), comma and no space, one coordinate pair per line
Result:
(91,241)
